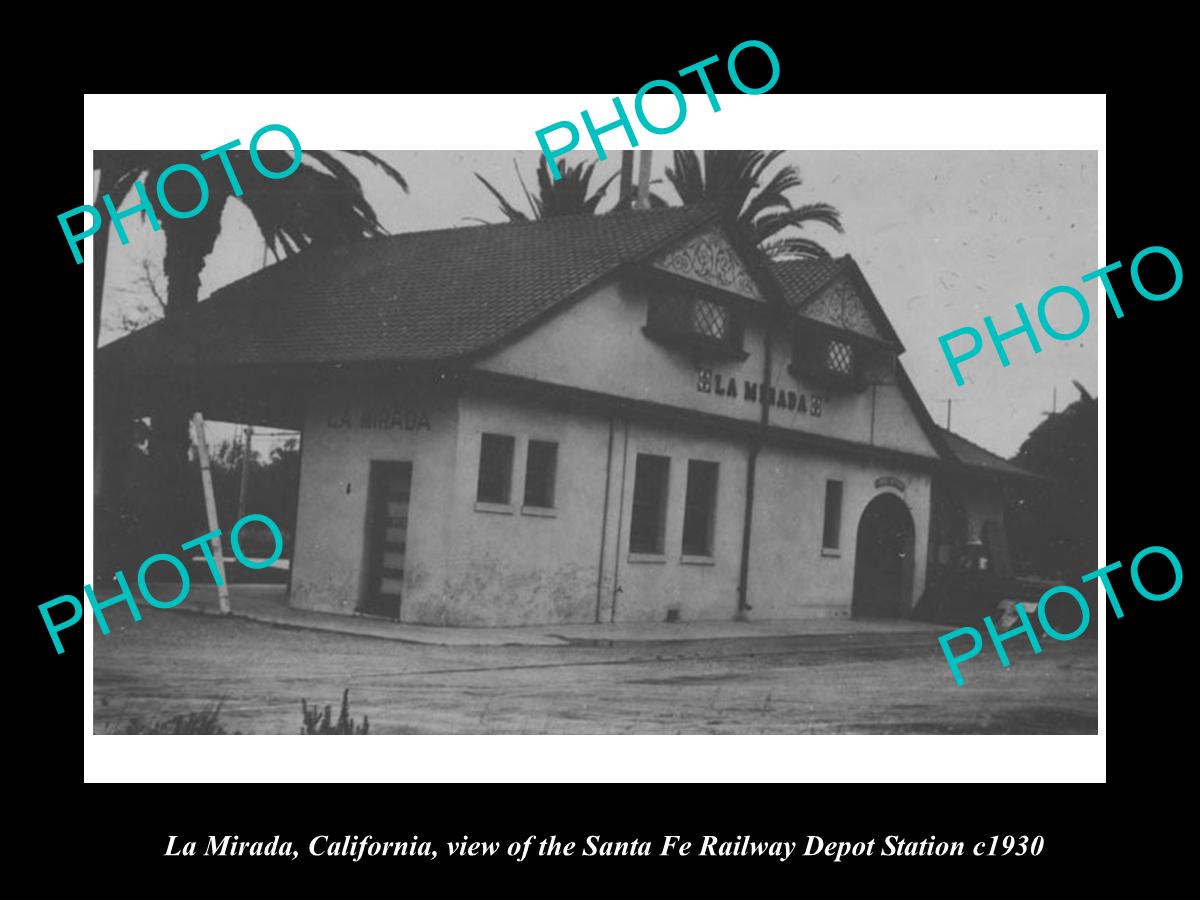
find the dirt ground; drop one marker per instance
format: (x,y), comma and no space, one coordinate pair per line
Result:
(880,682)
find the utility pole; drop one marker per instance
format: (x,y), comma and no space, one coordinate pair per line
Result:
(625,196)
(643,191)
(210,506)
(1053,405)
(245,486)
(948,401)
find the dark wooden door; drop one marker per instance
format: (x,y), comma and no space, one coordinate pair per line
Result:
(387,536)
(881,561)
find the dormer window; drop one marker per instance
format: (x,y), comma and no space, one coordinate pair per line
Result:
(833,361)
(839,358)
(699,322)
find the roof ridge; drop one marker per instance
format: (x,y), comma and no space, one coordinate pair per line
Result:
(699,209)
(416,295)
(546,221)
(973,444)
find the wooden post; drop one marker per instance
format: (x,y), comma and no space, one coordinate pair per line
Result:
(643,195)
(210,505)
(625,197)
(245,487)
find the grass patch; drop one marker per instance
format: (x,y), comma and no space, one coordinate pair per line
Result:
(206,721)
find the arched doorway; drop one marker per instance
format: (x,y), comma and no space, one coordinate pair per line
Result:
(883,559)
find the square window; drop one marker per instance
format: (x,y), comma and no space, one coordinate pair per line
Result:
(495,469)
(649,513)
(541,463)
(833,515)
(699,506)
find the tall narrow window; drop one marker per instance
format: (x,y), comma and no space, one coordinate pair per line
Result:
(495,469)
(699,507)
(649,511)
(540,465)
(833,515)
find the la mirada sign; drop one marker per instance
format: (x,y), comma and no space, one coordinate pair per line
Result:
(710,382)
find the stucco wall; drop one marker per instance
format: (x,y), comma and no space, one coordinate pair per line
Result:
(507,568)
(515,567)
(790,576)
(693,590)
(467,565)
(335,466)
(598,345)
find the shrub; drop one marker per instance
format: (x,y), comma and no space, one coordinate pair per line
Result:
(316,723)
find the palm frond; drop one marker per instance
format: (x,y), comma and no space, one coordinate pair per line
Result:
(387,167)
(514,214)
(773,194)
(568,195)
(335,166)
(533,207)
(685,176)
(794,248)
(739,181)
(592,202)
(770,224)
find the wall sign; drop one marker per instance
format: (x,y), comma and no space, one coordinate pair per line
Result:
(709,382)
(889,481)
(381,419)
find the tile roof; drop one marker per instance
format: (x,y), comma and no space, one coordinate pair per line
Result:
(972,455)
(418,296)
(800,277)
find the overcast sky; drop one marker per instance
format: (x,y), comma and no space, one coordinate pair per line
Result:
(943,237)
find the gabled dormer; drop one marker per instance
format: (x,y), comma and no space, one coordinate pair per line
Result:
(841,338)
(701,296)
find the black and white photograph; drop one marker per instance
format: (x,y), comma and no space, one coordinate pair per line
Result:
(665,445)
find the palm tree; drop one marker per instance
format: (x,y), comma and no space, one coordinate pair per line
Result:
(567,196)
(311,207)
(735,180)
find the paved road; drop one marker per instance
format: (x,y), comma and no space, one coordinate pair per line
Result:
(873,682)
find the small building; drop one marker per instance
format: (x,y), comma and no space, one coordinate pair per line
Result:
(627,417)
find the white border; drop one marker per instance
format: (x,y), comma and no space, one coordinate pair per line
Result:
(795,121)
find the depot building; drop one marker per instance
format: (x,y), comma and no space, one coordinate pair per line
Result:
(627,417)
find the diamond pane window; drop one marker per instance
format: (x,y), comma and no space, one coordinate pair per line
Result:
(710,320)
(695,317)
(839,358)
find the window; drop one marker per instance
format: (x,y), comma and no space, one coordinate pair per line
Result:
(495,469)
(695,319)
(828,360)
(699,507)
(540,464)
(649,511)
(839,358)
(833,515)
